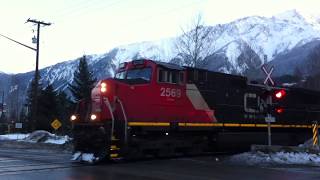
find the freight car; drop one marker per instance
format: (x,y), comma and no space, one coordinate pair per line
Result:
(162,109)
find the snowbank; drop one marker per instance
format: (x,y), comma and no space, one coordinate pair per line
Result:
(84,157)
(58,140)
(308,144)
(36,137)
(280,158)
(13,136)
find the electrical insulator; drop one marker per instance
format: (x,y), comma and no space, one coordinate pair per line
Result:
(34,40)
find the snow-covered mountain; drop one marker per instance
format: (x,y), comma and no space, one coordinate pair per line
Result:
(260,36)
(238,47)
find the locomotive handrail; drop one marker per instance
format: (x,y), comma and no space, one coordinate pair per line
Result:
(112,117)
(125,120)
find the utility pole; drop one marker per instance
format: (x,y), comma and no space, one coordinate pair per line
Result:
(2,103)
(36,74)
(2,108)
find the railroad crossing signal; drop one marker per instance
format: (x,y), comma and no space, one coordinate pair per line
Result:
(56,124)
(269,119)
(315,140)
(268,73)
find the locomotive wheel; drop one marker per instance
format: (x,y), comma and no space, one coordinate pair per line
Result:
(168,150)
(134,153)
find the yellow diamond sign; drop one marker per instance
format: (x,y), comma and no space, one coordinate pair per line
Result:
(56,124)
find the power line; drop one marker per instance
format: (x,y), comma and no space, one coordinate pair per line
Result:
(168,11)
(73,10)
(83,10)
(145,19)
(18,42)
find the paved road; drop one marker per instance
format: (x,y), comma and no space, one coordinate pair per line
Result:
(36,164)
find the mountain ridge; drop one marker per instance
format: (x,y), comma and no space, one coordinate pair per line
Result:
(239,47)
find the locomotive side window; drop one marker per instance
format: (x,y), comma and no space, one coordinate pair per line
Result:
(202,76)
(170,76)
(175,77)
(162,75)
(193,75)
(181,77)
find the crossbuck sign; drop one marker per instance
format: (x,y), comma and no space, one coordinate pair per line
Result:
(269,119)
(268,73)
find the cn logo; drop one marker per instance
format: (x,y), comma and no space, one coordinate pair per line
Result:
(254,103)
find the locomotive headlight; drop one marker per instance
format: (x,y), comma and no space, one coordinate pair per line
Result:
(73,117)
(103,87)
(93,117)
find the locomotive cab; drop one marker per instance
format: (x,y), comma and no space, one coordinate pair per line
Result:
(154,91)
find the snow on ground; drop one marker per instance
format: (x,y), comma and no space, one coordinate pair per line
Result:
(36,137)
(307,144)
(288,84)
(58,140)
(86,157)
(13,136)
(279,158)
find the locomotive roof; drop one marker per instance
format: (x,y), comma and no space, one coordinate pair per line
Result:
(217,73)
(170,65)
(180,68)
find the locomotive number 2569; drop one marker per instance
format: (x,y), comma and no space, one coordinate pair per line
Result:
(170,92)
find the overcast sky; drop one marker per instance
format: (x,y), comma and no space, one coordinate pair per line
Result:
(95,26)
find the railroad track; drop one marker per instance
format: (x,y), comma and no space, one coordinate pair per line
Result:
(18,161)
(21,161)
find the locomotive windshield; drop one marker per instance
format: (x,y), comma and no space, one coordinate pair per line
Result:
(135,76)
(121,75)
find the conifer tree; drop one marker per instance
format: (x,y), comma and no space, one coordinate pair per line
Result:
(30,104)
(47,108)
(64,108)
(83,81)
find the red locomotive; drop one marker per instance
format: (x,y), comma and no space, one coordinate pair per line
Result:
(163,109)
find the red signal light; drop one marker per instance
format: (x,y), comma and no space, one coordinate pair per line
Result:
(280,94)
(279,110)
